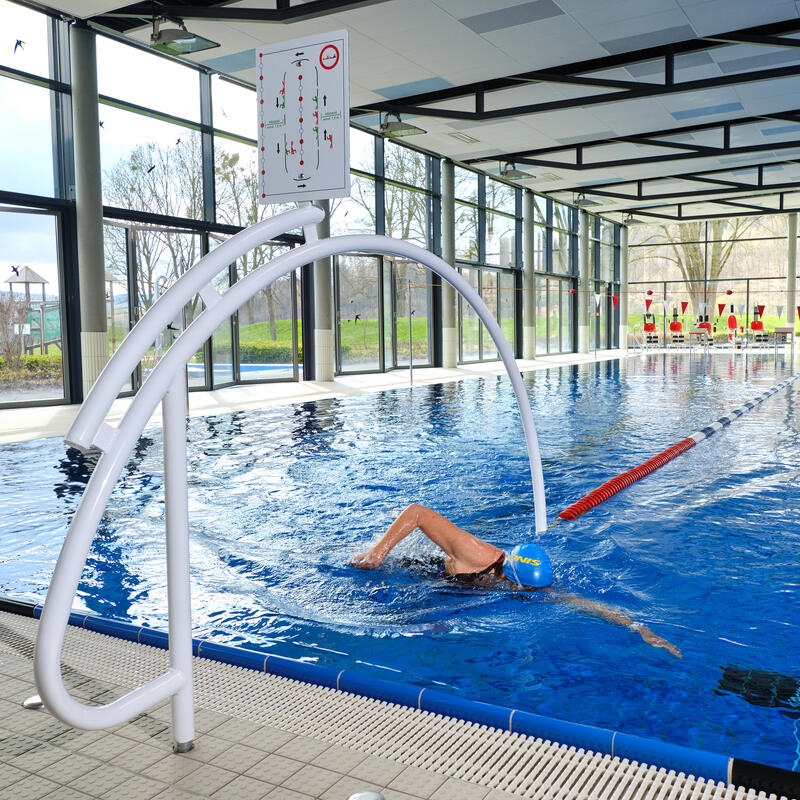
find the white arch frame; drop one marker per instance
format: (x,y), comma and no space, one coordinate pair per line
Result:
(166,383)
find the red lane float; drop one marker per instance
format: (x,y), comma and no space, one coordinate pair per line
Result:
(622,481)
(625,479)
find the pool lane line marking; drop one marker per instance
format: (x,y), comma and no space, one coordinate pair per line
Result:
(625,479)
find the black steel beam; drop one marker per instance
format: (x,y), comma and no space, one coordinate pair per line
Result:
(754,38)
(726,185)
(420,104)
(284,12)
(688,150)
(700,217)
(646,90)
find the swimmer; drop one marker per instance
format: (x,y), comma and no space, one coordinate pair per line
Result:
(470,559)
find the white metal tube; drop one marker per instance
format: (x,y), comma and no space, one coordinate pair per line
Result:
(90,416)
(52,628)
(176,502)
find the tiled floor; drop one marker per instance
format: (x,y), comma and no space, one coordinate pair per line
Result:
(233,758)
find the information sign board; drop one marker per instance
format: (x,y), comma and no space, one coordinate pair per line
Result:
(303,118)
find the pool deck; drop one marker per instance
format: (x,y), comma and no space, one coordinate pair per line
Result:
(263,736)
(37,422)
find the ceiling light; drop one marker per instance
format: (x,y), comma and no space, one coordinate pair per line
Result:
(177,41)
(582,202)
(399,128)
(464,137)
(508,170)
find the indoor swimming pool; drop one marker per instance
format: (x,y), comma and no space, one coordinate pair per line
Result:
(703,551)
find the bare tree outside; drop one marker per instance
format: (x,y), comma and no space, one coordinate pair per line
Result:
(13,316)
(706,262)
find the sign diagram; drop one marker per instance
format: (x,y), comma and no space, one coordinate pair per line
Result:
(303,118)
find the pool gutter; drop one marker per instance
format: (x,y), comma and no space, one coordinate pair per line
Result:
(690,761)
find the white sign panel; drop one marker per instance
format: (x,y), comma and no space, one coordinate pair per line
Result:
(304,119)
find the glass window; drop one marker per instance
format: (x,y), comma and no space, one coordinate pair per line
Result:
(25,42)
(468,321)
(234,107)
(150,165)
(606,232)
(500,239)
(508,306)
(222,338)
(562,216)
(362,150)
(358,313)
(409,275)
(466,184)
(141,77)
(26,150)
(553,316)
(31,344)
(540,209)
(500,196)
(541,315)
(355,214)
(606,263)
(539,248)
(489,293)
(566,317)
(406,213)
(404,165)
(561,252)
(269,331)
(466,232)
(265,322)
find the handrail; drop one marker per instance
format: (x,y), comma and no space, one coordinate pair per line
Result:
(166,383)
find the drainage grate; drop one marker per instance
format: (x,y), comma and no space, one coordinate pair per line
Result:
(515,763)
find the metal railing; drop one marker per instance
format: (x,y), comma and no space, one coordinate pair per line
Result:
(166,384)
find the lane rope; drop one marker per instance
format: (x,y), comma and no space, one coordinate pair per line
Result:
(625,479)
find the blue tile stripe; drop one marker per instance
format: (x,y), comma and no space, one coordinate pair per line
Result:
(700,763)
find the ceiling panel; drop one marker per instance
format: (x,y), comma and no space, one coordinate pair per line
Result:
(400,48)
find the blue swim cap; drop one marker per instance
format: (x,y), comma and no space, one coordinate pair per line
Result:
(528,565)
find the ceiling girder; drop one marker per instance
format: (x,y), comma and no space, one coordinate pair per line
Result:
(748,210)
(579,151)
(283,13)
(724,185)
(577,73)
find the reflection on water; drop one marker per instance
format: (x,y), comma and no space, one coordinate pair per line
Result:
(703,551)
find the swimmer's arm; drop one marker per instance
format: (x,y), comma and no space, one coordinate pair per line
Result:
(618,618)
(455,542)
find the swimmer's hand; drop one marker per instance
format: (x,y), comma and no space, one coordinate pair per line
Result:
(368,560)
(655,640)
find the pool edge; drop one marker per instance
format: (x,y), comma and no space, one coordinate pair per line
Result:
(681,759)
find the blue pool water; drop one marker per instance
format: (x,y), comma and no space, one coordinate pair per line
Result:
(704,551)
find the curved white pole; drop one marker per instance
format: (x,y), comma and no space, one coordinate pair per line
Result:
(117,444)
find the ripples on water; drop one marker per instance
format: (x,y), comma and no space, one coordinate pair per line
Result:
(704,551)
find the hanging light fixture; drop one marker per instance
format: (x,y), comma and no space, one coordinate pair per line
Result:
(398,127)
(509,170)
(177,41)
